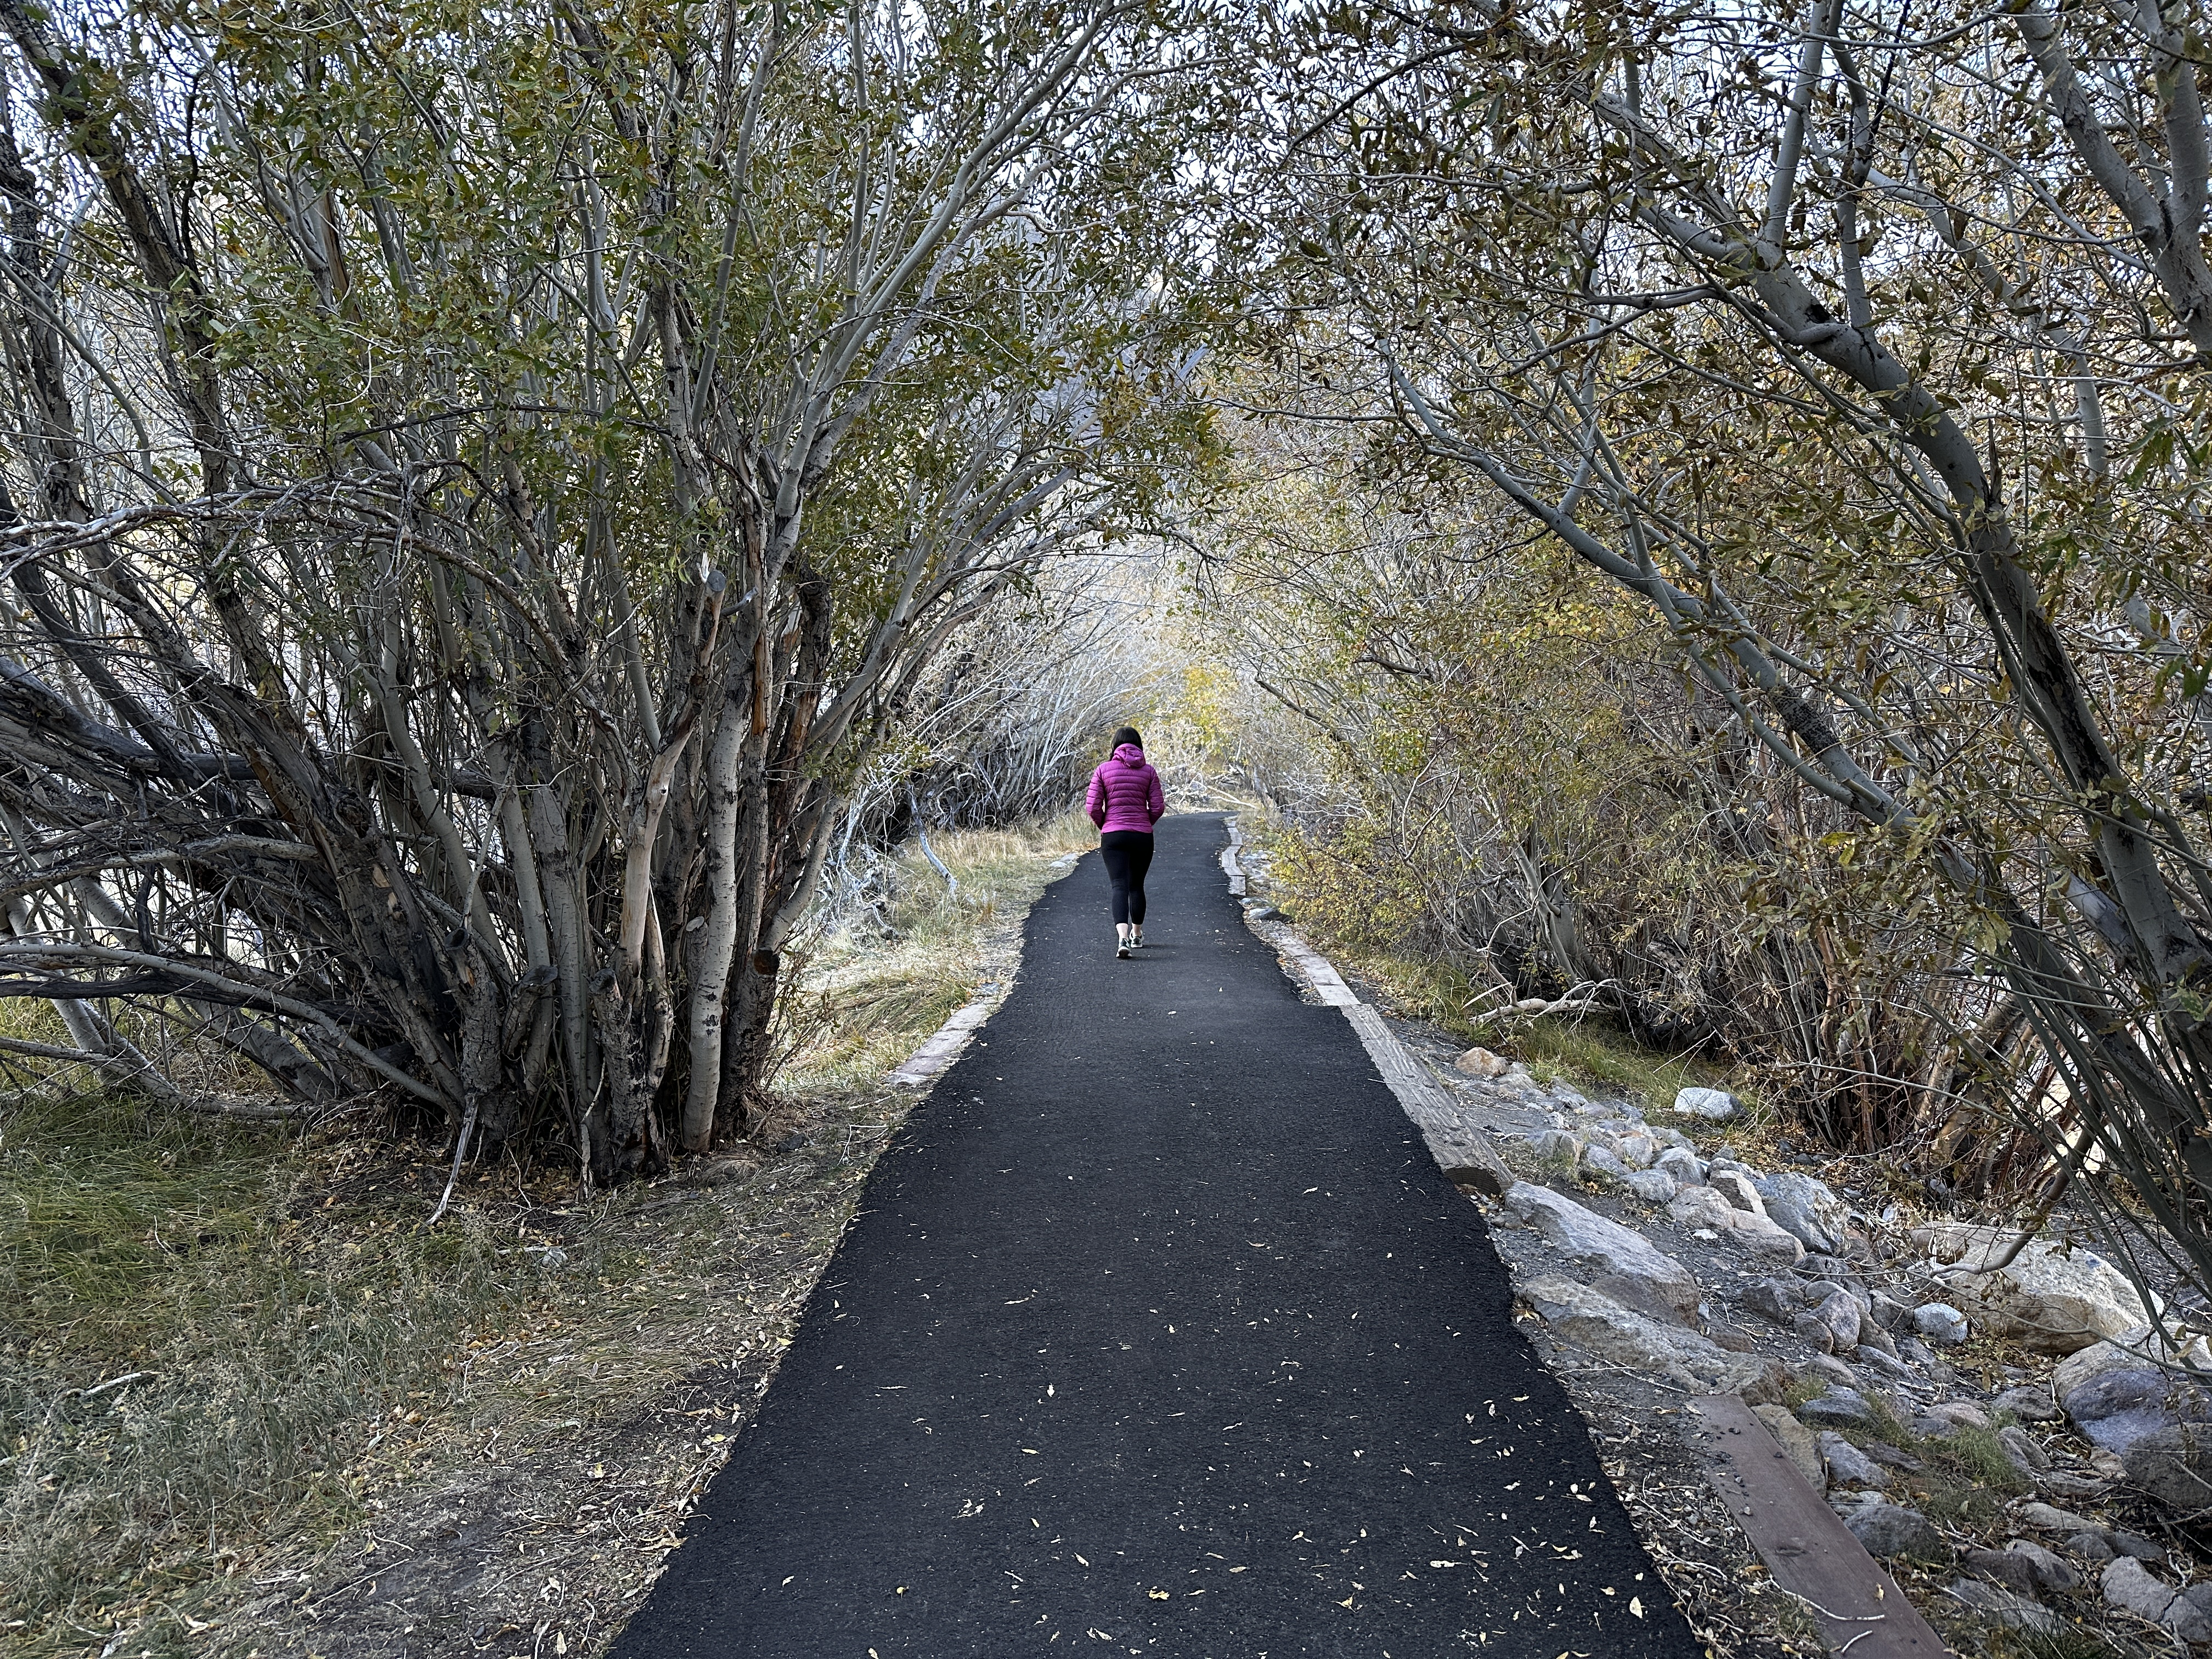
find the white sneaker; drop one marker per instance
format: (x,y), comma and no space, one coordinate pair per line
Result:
(1120,947)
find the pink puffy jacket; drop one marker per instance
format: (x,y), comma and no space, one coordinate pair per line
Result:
(1125,793)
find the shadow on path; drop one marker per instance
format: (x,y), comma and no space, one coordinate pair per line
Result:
(1159,1333)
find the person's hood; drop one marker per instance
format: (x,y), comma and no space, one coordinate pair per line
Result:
(1129,755)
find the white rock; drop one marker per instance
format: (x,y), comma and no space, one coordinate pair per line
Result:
(1956,1414)
(1700,1206)
(1778,1300)
(1480,1062)
(1939,1322)
(1840,1313)
(1683,1164)
(2142,1347)
(2029,1403)
(1847,1465)
(1890,1530)
(2047,1517)
(1560,1144)
(1887,1365)
(1839,1377)
(1602,1163)
(1764,1238)
(2051,1571)
(2025,1451)
(1711,1104)
(1637,1151)
(2133,1588)
(1938,1369)
(1596,1323)
(1995,1606)
(1603,1245)
(2051,1298)
(1805,1206)
(1889,1313)
(1736,1186)
(2117,1393)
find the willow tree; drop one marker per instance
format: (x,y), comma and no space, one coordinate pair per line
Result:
(484,476)
(1865,349)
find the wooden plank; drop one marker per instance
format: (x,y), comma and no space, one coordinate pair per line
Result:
(1316,972)
(1858,1607)
(1461,1149)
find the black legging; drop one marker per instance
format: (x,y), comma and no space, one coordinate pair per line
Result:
(1128,854)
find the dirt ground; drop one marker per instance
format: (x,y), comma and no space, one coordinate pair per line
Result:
(542,1542)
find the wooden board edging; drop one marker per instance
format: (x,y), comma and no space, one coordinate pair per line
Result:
(1857,1604)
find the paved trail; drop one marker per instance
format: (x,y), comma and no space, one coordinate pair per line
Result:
(1160,1334)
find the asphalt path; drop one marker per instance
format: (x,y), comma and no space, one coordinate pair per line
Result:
(1159,1333)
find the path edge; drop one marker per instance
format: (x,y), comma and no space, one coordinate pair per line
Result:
(942,1047)
(1462,1150)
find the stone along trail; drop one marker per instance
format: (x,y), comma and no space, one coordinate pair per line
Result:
(1159,1333)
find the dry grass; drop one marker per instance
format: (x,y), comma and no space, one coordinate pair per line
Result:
(865,1003)
(309,1365)
(1590,1053)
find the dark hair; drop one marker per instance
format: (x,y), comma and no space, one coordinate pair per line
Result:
(1127,734)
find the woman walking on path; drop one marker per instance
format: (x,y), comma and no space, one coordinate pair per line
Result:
(1125,802)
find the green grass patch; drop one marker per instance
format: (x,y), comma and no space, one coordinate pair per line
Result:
(1978,1453)
(1353,919)
(1593,1052)
(1883,1422)
(1804,1390)
(165,1249)
(1968,1476)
